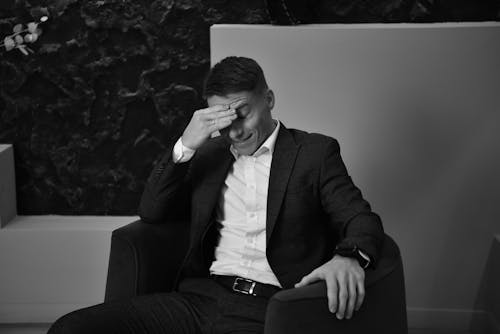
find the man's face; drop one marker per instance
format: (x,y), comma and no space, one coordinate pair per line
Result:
(254,123)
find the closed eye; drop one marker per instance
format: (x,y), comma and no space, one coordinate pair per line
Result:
(243,111)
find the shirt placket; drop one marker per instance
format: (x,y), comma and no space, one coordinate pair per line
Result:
(251,210)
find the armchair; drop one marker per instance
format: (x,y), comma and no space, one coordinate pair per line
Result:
(144,259)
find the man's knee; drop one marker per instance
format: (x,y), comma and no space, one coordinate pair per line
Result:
(66,324)
(76,322)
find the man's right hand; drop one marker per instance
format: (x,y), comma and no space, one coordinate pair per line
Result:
(206,121)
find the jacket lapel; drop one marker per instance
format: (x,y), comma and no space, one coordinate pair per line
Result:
(285,152)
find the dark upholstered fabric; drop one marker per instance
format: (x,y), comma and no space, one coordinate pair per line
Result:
(145,258)
(304,310)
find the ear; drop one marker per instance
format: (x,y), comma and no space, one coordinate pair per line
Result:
(270,99)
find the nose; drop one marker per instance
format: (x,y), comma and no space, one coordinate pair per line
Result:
(235,130)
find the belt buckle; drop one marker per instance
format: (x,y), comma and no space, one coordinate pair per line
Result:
(250,291)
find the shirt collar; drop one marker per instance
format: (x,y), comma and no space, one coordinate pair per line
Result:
(267,145)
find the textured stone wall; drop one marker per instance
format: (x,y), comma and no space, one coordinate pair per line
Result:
(113,82)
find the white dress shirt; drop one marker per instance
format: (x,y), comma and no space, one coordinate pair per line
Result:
(241,211)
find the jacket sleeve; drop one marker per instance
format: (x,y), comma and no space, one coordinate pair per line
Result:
(166,194)
(349,213)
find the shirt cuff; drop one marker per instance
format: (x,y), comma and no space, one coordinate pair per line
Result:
(366,257)
(181,153)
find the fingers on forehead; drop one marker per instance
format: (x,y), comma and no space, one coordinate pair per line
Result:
(238,102)
(217,114)
(231,105)
(217,107)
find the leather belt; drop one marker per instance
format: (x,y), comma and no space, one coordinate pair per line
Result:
(246,286)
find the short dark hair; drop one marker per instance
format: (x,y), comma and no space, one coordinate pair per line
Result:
(232,75)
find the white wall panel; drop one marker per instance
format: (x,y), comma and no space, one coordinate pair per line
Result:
(416,109)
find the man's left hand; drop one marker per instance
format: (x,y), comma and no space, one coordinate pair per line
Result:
(345,284)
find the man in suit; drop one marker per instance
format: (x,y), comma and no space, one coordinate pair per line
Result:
(271,208)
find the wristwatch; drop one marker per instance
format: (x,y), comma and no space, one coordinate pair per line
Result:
(353,252)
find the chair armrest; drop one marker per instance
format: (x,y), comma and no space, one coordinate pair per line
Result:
(145,258)
(305,309)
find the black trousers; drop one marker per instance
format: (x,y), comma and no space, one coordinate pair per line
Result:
(201,305)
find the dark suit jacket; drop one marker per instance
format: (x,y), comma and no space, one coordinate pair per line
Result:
(312,204)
